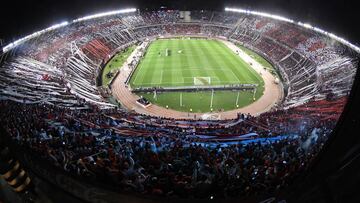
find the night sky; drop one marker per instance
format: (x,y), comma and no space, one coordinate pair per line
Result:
(19,18)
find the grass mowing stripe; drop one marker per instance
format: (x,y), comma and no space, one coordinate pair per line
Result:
(171,64)
(147,66)
(200,48)
(158,66)
(195,60)
(251,73)
(232,63)
(224,64)
(184,61)
(247,72)
(162,64)
(214,62)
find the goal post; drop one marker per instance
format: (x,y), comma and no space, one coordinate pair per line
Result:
(202,80)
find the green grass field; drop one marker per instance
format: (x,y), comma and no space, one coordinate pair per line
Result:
(193,62)
(115,64)
(200,102)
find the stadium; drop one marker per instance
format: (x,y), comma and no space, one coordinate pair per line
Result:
(171,105)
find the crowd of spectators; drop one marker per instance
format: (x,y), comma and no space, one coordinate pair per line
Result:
(171,161)
(301,59)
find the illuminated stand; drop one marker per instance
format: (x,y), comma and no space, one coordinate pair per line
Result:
(305,25)
(309,90)
(79,66)
(63,24)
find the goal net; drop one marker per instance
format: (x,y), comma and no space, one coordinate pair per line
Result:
(202,80)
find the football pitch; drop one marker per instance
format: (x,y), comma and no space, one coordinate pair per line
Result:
(195,62)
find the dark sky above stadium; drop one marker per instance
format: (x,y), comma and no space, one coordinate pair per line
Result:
(18,18)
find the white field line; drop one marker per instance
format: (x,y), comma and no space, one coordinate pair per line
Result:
(136,76)
(232,72)
(256,66)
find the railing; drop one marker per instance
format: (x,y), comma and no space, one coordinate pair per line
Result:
(196,88)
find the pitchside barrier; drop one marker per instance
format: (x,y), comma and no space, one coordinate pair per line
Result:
(195,88)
